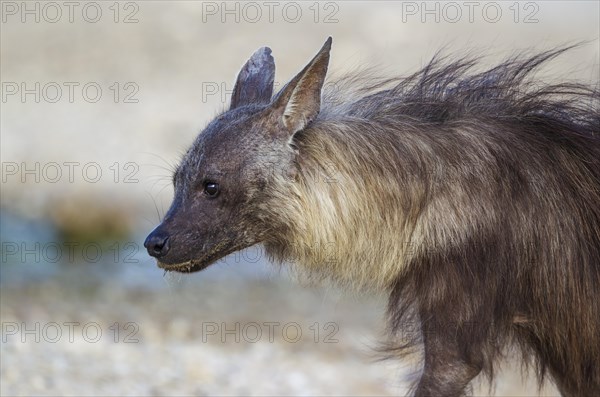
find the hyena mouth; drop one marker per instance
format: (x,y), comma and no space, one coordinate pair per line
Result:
(190,266)
(194,265)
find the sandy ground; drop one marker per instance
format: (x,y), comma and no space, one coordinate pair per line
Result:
(218,333)
(222,336)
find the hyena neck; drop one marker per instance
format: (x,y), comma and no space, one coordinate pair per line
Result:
(344,214)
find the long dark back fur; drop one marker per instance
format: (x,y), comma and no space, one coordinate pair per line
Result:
(532,274)
(498,180)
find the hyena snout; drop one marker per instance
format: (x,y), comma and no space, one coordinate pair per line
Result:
(157,243)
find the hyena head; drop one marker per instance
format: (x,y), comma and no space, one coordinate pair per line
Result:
(223,179)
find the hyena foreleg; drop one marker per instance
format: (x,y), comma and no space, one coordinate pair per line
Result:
(450,364)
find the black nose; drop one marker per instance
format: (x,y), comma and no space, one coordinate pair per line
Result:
(157,244)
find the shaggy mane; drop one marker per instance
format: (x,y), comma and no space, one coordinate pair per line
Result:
(448,90)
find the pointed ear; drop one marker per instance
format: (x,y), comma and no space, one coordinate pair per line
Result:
(254,84)
(299,102)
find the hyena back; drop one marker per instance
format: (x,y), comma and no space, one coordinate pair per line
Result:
(473,199)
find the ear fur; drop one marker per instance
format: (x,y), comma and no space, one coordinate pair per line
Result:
(254,84)
(299,102)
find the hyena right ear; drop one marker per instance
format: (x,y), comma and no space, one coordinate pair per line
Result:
(299,102)
(254,84)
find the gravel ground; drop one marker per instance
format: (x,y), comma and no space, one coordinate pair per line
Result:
(181,339)
(177,336)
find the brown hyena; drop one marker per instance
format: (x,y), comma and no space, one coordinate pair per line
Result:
(472,198)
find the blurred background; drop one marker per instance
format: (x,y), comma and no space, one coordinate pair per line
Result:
(100,99)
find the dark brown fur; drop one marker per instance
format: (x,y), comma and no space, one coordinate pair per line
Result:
(492,181)
(533,276)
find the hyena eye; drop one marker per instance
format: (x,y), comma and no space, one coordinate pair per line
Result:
(211,189)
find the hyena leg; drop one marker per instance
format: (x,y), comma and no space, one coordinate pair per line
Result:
(449,363)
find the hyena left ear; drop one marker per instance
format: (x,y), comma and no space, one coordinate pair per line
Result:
(254,84)
(299,102)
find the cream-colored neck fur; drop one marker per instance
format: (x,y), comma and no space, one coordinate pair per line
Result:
(346,215)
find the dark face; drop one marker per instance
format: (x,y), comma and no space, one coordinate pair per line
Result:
(224,178)
(218,187)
